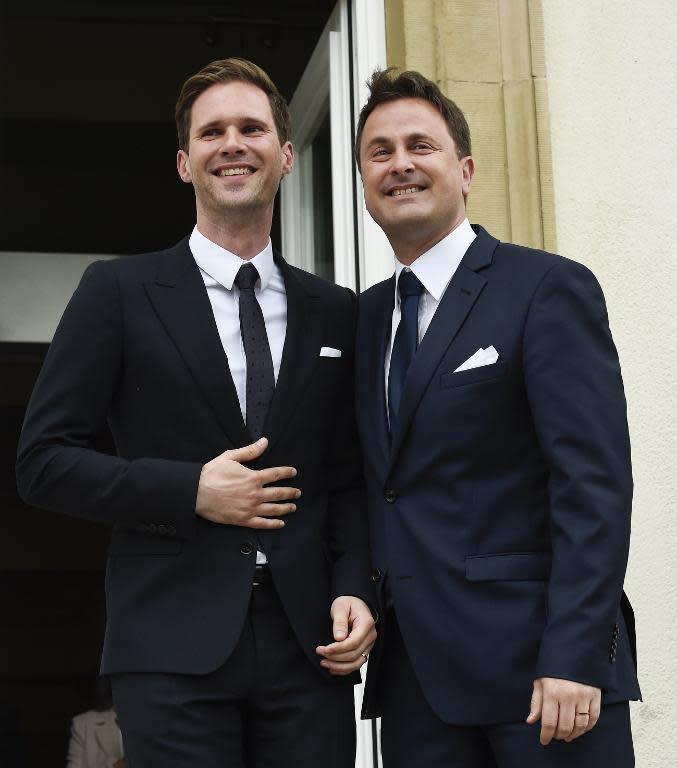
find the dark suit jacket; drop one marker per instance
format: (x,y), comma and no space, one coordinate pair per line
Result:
(500,509)
(138,347)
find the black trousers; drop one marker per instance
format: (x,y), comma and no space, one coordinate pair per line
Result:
(266,707)
(412,735)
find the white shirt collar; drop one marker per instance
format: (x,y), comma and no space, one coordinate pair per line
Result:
(436,266)
(223,265)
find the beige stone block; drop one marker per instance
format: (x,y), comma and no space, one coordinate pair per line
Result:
(482,104)
(469,40)
(488,203)
(522,163)
(545,164)
(537,36)
(515,39)
(395,34)
(420,39)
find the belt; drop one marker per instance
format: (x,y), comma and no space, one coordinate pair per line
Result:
(262,575)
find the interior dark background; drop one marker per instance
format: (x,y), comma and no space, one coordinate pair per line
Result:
(87,164)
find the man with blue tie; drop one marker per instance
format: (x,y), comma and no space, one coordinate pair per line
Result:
(239,541)
(493,423)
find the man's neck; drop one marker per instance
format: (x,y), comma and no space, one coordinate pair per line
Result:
(408,248)
(407,252)
(244,235)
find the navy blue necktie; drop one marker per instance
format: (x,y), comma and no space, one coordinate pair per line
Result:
(406,339)
(260,373)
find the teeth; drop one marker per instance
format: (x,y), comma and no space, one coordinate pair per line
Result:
(407,191)
(233,172)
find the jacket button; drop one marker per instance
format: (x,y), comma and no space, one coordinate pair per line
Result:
(171,530)
(390,496)
(162,529)
(152,528)
(247,548)
(376,575)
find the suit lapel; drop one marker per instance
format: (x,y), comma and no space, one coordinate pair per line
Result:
(300,354)
(461,294)
(180,300)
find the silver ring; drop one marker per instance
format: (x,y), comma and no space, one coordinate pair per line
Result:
(366,656)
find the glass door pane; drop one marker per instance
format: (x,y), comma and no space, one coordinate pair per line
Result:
(321,196)
(318,197)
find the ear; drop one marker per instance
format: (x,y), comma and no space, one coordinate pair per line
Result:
(468,171)
(183,166)
(287,158)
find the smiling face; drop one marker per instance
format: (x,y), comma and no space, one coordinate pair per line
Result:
(234,159)
(415,184)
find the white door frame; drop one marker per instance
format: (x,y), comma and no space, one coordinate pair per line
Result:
(337,71)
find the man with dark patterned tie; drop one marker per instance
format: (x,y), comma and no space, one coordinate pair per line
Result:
(239,542)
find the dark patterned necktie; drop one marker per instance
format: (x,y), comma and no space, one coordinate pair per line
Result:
(260,374)
(406,339)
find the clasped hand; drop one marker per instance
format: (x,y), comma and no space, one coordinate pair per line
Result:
(354,635)
(232,494)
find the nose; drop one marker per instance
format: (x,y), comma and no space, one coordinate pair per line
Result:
(231,142)
(400,161)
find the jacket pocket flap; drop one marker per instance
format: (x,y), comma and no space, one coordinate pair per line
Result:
(142,544)
(472,375)
(517,566)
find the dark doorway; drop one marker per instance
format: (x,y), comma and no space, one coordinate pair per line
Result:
(51,582)
(88,139)
(87,147)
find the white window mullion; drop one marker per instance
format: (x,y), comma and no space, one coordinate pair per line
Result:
(369,53)
(341,161)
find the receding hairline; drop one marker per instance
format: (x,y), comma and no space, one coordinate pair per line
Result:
(414,135)
(386,86)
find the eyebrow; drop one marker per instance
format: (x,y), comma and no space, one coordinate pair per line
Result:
(244,120)
(388,139)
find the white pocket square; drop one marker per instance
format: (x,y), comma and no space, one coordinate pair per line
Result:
(482,357)
(330,352)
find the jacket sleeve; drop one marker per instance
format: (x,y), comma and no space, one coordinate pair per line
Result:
(58,466)
(575,391)
(348,527)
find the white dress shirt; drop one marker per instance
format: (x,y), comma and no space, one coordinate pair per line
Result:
(434,269)
(218,268)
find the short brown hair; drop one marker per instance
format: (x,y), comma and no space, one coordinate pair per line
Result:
(385,85)
(226,71)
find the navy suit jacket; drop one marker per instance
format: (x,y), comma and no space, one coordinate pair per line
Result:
(499,507)
(138,348)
